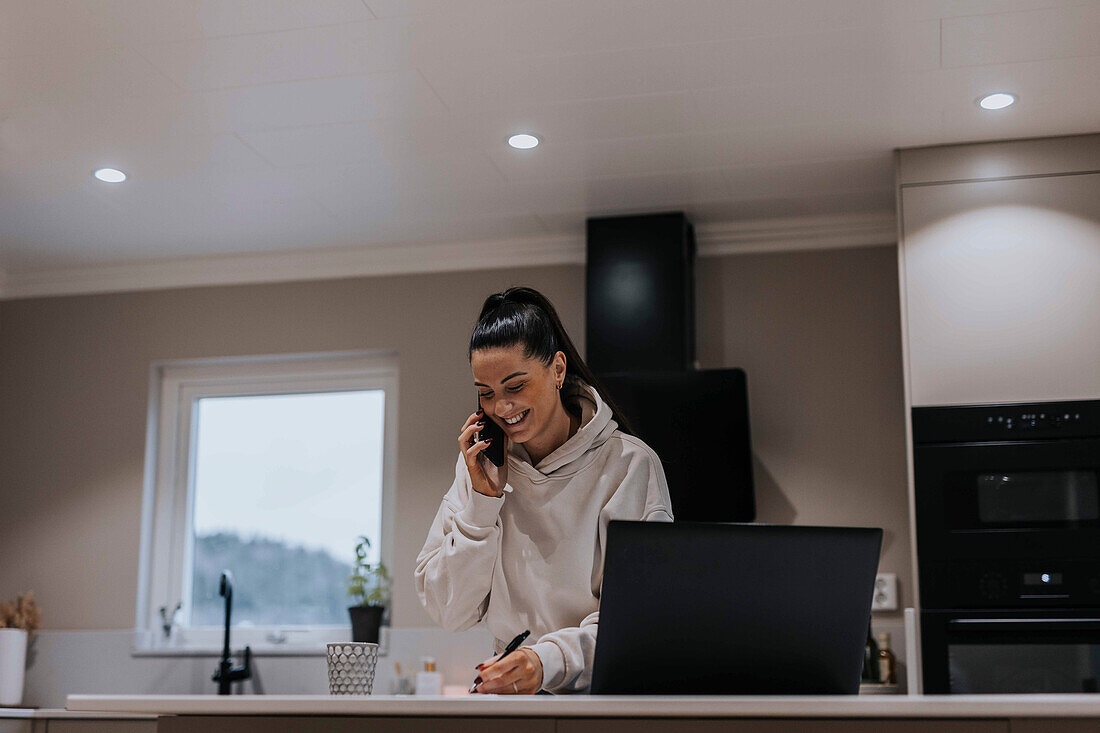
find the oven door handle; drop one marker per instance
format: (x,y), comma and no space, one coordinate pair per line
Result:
(1031,624)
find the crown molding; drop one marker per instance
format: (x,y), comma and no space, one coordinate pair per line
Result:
(798,233)
(765,235)
(319,264)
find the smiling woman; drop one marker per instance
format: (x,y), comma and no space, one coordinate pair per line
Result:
(521,546)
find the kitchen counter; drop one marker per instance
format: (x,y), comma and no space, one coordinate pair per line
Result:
(63,714)
(595,706)
(59,720)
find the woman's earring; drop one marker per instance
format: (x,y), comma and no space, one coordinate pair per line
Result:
(559,386)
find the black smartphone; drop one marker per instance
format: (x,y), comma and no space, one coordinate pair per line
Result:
(495,451)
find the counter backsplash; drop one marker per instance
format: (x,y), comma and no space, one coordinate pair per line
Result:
(61,663)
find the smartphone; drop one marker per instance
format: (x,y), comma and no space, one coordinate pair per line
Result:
(495,451)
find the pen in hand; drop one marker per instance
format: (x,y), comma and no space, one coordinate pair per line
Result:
(512,646)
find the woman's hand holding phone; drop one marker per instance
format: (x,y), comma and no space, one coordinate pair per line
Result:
(486,478)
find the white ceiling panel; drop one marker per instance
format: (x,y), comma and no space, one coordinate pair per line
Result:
(74,27)
(93,125)
(791,206)
(28,81)
(253,126)
(848,175)
(1035,35)
(388,140)
(821,57)
(732,210)
(631,192)
(348,188)
(1071,102)
(314,102)
(566,27)
(591,119)
(237,17)
(396,8)
(41,26)
(205,160)
(775,144)
(926,9)
(392,226)
(268,58)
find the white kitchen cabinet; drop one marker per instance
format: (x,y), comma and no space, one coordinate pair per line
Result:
(1001,276)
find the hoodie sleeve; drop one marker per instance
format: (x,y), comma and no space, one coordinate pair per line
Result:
(566,654)
(454,571)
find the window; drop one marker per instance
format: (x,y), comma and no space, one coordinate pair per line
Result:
(269,467)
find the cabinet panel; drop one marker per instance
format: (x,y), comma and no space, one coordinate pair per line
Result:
(348,724)
(789,725)
(1041,156)
(1054,725)
(1002,302)
(15,726)
(102,726)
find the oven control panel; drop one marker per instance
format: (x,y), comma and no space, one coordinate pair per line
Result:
(1002,584)
(1021,421)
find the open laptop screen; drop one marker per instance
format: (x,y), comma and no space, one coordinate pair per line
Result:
(726,609)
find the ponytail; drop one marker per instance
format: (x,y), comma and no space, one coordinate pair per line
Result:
(524,317)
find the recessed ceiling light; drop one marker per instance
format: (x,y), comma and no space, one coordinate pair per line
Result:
(110,175)
(1000,100)
(523,141)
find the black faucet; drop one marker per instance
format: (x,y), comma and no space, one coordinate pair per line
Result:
(226,672)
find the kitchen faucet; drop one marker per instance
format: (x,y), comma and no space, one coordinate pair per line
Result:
(226,672)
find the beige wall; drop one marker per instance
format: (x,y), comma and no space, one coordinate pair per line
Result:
(819,337)
(817,332)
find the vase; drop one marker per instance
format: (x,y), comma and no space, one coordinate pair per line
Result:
(13,658)
(365,622)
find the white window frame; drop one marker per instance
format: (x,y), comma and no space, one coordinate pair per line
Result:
(164,576)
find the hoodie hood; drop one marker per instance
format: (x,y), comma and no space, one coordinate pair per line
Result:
(596,427)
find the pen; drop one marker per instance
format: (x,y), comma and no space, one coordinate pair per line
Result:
(512,646)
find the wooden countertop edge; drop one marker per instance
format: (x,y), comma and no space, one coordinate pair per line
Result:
(878,706)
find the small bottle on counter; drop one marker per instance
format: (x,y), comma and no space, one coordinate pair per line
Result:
(429,681)
(887,663)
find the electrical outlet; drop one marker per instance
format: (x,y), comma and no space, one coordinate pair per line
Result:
(886,592)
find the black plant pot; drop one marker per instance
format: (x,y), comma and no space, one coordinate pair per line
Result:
(365,621)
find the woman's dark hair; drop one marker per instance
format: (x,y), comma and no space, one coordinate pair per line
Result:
(524,317)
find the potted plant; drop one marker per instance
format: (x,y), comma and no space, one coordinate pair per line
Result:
(369,589)
(18,620)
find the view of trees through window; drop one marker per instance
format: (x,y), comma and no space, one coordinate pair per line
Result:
(283,486)
(274,583)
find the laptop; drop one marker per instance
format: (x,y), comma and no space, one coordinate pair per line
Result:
(734,609)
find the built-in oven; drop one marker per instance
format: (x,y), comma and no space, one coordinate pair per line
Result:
(1010,652)
(1008,545)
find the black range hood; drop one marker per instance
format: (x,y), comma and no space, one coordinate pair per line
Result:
(640,288)
(640,342)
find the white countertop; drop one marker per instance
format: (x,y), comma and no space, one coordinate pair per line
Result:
(899,706)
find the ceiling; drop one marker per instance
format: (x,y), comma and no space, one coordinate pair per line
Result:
(290,126)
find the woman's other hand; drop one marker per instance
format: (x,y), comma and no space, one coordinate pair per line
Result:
(519,673)
(486,477)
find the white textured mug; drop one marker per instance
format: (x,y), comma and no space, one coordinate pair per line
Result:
(351,666)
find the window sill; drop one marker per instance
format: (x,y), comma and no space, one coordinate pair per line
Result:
(265,651)
(144,648)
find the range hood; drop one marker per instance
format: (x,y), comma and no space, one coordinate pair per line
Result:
(640,342)
(640,293)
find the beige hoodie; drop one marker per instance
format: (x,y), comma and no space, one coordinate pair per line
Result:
(533,558)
